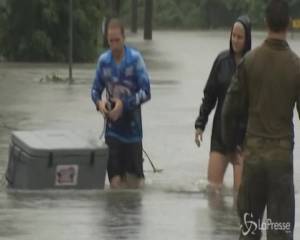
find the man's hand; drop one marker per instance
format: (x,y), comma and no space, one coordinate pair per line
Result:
(198,136)
(102,107)
(117,111)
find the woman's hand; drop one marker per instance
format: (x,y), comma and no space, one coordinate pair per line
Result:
(198,136)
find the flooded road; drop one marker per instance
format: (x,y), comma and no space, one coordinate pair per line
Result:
(174,204)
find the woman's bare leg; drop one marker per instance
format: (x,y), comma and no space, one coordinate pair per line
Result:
(216,169)
(237,164)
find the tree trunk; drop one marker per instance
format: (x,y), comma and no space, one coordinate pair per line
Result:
(134,15)
(148,19)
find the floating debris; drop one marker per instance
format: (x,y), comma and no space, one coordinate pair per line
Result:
(53,79)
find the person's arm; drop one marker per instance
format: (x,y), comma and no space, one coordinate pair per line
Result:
(235,108)
(209,99)
(97,89)
(143,81)
(208,103)
(298,96)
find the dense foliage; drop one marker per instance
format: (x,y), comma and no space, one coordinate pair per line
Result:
(211,13)
(34,30)
(37,30)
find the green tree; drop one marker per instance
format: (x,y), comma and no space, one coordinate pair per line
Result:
(37,30)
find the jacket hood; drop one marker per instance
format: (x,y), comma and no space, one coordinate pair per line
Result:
(245,21)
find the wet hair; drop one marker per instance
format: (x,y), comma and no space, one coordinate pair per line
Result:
(116,23)
(277,15)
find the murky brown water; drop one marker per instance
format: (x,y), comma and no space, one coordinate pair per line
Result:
(174,204)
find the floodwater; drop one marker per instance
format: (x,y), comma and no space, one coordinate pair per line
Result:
(174,203)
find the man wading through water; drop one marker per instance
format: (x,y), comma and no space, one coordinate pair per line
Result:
(121,71)
(266,87)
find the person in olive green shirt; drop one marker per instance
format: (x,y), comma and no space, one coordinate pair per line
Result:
(266,87)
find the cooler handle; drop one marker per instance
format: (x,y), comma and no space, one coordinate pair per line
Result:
(50,160)
(92,159)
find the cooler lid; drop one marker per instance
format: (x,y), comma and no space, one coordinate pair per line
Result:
(40,143)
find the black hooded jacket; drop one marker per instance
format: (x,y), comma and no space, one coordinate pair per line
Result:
(215,90)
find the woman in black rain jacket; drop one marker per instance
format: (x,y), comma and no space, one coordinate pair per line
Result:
(214,94)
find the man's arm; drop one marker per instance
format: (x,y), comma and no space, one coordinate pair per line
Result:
(143,94)
(98,86)
(235,107)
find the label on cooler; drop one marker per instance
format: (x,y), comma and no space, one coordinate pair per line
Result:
(66,175)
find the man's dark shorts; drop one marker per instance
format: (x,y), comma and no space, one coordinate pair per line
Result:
(124,158)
